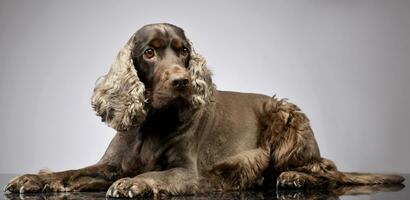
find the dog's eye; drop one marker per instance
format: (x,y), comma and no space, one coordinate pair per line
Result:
(149,53)
(185,51)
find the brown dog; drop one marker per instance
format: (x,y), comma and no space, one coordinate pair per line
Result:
(178,135)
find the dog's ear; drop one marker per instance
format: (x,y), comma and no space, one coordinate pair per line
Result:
(119,96)
(201,78)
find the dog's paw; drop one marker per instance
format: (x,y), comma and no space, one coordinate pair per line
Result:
(132,187)
(291,180)
(24,184)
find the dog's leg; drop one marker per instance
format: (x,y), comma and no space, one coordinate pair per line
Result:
(242,170)
(294,179)
(295,154)
(294,151)
(288,136)
(324,174)
(93,178)
(169,182)
(319,174)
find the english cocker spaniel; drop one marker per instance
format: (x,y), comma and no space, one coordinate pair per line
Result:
(177,134)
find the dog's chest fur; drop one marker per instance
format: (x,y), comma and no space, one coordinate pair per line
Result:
(161,143)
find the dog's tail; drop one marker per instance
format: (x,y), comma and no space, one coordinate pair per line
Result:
(352,178)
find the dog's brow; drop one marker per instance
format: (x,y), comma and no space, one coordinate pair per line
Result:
(176,43)
(157,43)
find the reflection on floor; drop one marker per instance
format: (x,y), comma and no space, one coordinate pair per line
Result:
(373,190)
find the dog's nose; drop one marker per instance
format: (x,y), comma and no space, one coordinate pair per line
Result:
(179,82)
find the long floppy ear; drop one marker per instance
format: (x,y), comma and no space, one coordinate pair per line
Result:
(201,79)
(119,96)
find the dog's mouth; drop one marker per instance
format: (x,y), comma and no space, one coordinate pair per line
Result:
(162,99)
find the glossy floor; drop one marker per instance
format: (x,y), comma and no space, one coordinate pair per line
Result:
(397,192)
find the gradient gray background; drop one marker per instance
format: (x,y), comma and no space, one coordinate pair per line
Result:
(345,63)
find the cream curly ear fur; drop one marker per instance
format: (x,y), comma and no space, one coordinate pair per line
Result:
(119,96)
(201,78)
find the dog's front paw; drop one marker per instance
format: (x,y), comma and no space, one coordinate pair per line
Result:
(24,184)
(132,187)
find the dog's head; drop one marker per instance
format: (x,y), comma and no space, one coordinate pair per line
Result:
(156,69)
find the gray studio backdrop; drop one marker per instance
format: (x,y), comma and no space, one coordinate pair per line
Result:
(345,63)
